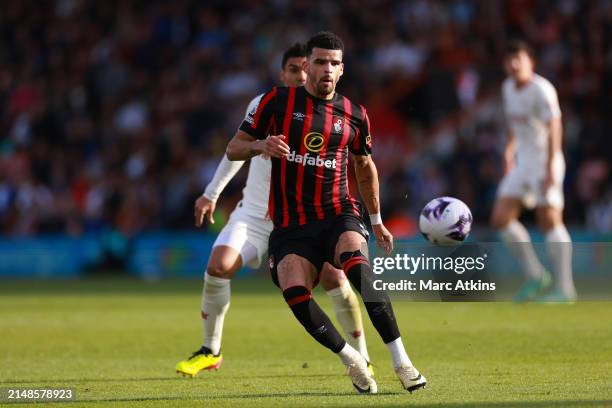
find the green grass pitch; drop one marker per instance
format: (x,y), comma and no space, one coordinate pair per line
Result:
(116,342)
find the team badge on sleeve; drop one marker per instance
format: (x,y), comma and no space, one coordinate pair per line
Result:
(252,110)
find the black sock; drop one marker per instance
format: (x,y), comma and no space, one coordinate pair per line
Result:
(206,350)
(377,303)
(314,320)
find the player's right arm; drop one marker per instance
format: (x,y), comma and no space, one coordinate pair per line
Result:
(226,170)
(244,146)
(206,203)
(252,137)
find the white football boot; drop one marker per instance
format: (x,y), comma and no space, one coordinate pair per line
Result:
(410,377)
(361,377)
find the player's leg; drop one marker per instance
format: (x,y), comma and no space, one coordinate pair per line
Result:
(356,266)
(223,263)
(346,307)
(549,214)
(559,248)
(237,245)
(226,258)
(296,276)
(505,219)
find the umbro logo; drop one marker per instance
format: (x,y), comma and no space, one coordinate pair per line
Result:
(298,116)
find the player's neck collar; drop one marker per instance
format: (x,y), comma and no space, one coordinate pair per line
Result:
(524,84)
(321,100)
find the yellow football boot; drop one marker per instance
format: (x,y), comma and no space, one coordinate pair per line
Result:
(203,359)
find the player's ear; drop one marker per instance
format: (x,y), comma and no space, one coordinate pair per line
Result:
(281,75)
(305,65)
(341,68)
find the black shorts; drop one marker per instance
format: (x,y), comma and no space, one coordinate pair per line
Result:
(316,241)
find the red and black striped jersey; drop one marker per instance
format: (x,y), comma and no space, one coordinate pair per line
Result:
(310,184)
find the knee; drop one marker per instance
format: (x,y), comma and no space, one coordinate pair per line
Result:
(331,278)
(220,269)
(499,220)
(504,212)
(547,219)
(349,242)
(545,224)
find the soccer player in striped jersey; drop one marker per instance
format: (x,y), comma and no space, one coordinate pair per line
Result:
(244,241)
(535,168)
(316,220)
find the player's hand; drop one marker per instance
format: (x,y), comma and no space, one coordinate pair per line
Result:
(548,181)
(384,239)
(204,206)
(275,146)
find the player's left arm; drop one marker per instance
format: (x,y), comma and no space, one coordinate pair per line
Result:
(367,180)
(366,175)
(555,134)
(551,115)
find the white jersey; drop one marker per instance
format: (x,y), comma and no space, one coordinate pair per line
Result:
(256,192)
(528,109)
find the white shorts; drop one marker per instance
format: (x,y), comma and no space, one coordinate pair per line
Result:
(525,183)
(246,234)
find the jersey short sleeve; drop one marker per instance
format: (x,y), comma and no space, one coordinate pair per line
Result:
(548,102)
(259,117)
(362,142)
(252,108)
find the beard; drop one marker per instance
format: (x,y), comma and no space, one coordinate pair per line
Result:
(325,88)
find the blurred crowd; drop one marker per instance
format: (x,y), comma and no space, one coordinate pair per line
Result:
(114,114)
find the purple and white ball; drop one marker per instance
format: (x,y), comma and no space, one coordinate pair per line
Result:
(445,221)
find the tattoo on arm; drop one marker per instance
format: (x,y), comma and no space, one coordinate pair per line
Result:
(367,180)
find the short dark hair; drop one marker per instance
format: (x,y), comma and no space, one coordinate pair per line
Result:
(516,46)
(325,40)
(296,50)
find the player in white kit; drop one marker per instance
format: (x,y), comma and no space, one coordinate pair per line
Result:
(244,241)
(534,172)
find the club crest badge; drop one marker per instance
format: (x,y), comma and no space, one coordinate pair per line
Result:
(338,124)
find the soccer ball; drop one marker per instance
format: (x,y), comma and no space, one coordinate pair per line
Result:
(445,221)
